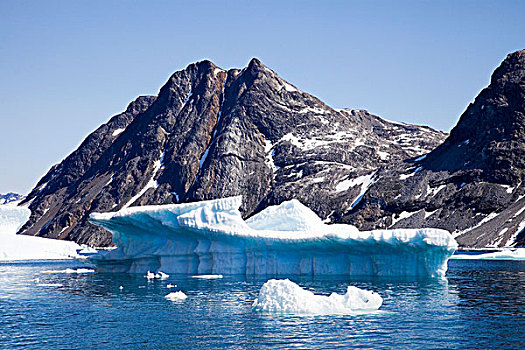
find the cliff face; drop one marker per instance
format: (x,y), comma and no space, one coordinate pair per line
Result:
(472,184)
(212,133)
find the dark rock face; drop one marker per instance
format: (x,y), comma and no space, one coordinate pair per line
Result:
(10,197)
(212,133)
(472,184)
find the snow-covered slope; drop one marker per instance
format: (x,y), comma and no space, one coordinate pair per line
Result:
(210,237)
(18,247)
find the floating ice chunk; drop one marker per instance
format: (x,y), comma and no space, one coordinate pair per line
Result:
(505,254)
(210,237)
(77,271)
(121,287)
(171,285)
(176,296)
(161,275)
(208,277)
(284,296)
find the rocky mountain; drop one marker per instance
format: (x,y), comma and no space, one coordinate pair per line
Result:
(473,184)
(213,133)
(10,197)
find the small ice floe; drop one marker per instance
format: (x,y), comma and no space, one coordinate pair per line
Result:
(284,296)
(77,271)
(207,277)
(176,296)
(141,287)
(121,287)
(159,275)
(171,285)
(504,254)
(49,285)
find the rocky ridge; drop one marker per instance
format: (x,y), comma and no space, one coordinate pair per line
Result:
(472,184)
(212,133)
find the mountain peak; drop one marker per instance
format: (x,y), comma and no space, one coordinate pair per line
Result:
(489,135)
(255,62)
(210,135)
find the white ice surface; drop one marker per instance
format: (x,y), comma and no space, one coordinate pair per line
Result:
(284,296)
(70,271)
(176,296)
(21,247)
(360,180)
(208,277)
(210,237)
(505,254)
(118,131)
(152,183)
(159,275)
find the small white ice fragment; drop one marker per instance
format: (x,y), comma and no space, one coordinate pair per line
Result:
(121,287)
(161,275)
(171,285)
(207,277)
(78,271)
(176,296)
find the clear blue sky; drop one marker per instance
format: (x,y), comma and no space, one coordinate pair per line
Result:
(68,66)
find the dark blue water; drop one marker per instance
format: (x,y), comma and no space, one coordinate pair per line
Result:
(479,306)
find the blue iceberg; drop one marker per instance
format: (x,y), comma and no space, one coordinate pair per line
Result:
(211,237)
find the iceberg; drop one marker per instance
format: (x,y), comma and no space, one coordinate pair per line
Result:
(20,247)
(211,238)
(284,296)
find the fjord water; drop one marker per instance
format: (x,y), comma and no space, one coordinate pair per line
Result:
(479,305)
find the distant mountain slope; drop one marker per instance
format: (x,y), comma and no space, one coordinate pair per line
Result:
(472,184)
(212,133)
(10,197)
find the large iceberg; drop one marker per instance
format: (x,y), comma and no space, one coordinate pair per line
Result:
(20,247)
(210,237)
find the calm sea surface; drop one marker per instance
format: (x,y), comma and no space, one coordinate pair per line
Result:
(481,305)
